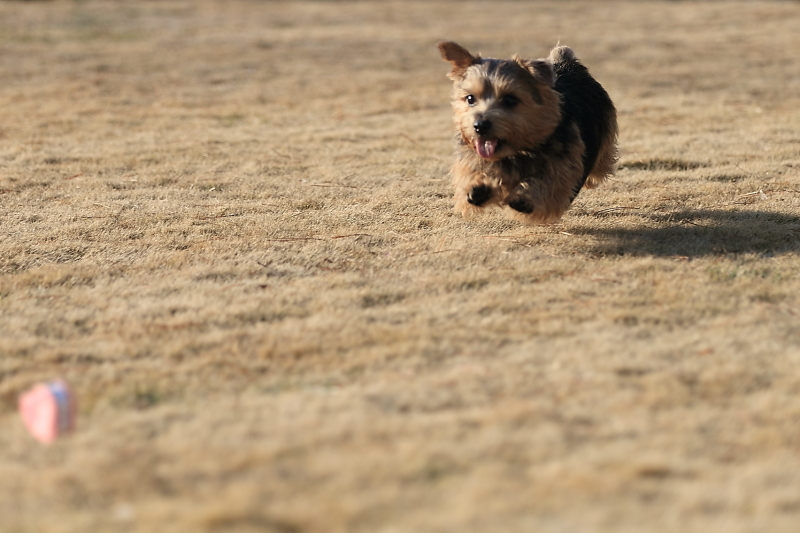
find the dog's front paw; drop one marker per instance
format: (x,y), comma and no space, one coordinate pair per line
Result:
(523,205)
(479,195)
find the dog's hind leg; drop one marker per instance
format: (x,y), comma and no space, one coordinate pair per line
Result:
(607,154)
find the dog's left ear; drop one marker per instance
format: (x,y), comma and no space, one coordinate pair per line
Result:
(459,57)
(542,71)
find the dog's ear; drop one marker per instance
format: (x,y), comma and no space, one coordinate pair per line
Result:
(542,71)
(459,57)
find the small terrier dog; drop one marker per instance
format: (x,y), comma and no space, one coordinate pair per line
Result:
(529,133)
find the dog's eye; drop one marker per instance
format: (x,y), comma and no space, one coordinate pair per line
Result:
(509,101)
(470,100)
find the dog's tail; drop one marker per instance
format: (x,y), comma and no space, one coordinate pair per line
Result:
(561,54)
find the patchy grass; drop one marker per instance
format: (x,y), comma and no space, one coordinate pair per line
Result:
(662,164)
(228,225)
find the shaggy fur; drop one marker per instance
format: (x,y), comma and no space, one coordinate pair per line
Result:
(530,133)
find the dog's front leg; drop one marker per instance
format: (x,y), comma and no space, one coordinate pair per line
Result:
(474,188)
(523,198)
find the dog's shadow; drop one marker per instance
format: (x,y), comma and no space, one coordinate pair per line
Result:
(696,233)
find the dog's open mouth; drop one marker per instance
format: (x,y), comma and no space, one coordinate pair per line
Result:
(486,148)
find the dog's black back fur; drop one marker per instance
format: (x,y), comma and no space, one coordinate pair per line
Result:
(583,100)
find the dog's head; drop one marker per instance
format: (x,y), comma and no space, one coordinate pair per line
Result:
(502,107)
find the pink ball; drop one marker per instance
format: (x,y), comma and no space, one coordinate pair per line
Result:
(48,410)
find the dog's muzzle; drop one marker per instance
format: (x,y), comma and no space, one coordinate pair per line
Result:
(482,127)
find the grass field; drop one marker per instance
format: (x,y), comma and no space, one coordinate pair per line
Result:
(228,225)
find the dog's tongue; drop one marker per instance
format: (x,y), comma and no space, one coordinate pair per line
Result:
(485,147)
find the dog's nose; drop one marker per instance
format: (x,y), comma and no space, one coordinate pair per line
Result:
(482,126)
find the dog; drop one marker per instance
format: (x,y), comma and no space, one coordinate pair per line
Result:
(530,134)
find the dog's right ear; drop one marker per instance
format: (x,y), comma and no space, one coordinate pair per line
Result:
(459,57)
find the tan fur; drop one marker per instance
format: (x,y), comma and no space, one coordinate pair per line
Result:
(550,197)
(560,53)
(606,162)
(458,56)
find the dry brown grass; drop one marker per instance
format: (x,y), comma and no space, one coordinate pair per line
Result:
(229,226)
